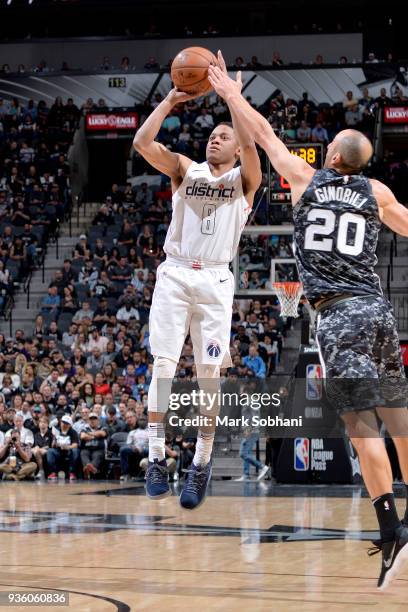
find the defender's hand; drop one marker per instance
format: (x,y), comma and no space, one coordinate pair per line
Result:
(223,84)
(221,62)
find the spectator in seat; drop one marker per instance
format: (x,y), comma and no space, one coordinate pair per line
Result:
(96,341)
(33,421)
(205,120)
(187,447)
(276,59)
(255,362)
(16,453)
(92,439)
(83,422)
(152,64)
(383,99)
(104,216)
(8,419)
(304,132)
(254,63)
(136,445)
(101,385)
(171,125)
(64,449)
(67,273)
(349,101)
(82,247)
(68,337)
(113,423)
(51,302)
(125,64)
(319,134)
(122,272)
(106,63)
(42,443)
(371,58)
(353,116)
(84,315)
(366,101)
(253,325)
(31,243)
(88,274)
(239,63)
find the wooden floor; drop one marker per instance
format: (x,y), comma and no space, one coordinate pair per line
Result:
(113,549)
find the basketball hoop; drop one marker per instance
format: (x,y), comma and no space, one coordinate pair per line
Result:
(289,295)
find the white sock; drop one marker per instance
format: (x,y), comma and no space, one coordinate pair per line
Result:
(204,448)
(156,441)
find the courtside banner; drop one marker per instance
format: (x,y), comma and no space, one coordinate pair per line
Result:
(111,121)
(396,114)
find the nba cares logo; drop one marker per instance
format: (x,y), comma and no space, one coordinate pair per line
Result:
(213,349)
(301,454)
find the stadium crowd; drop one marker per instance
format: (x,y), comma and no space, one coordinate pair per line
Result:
(151,64)
(34,184)
(73,392)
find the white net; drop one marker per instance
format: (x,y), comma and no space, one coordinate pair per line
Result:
(289,295)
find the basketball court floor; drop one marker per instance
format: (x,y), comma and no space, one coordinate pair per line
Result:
(249,547)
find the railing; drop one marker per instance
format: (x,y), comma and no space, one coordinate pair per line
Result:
(390,269)
(7,312)
(54,236)
(400,307)
(377,134)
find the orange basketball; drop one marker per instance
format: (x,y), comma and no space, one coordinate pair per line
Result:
(189,70)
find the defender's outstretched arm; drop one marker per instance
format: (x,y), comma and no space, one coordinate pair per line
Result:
(250,163)
(289,166)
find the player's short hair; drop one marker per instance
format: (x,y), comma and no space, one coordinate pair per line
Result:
(227,123)
(354,151)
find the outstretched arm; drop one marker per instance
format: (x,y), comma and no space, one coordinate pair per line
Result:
(393,214)
(293,168)
(172,164)
(249,158)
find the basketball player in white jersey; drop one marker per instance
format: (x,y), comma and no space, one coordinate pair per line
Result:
(194,288)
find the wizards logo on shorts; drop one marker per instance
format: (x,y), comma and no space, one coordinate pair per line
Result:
(213,349)
(314,381)
(301,454)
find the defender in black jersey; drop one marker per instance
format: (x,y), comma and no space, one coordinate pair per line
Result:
(337,221)
(337,217)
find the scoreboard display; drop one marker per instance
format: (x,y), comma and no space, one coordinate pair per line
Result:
(312,153)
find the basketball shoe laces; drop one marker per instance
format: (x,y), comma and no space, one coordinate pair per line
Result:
(156,473)
(195,480)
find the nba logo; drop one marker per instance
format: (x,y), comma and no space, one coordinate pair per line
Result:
(314,382)
(301,451)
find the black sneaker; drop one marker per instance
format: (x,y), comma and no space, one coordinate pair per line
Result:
(394,555)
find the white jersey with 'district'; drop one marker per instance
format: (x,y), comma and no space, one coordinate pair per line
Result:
(209,214)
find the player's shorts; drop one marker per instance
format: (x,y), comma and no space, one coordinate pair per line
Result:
(360,354)
(195,301)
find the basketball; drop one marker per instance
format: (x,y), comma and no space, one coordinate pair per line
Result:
(189,70)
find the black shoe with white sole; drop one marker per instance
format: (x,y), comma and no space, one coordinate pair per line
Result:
(394,556)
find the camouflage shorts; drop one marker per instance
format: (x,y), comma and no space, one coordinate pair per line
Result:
(361,355)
